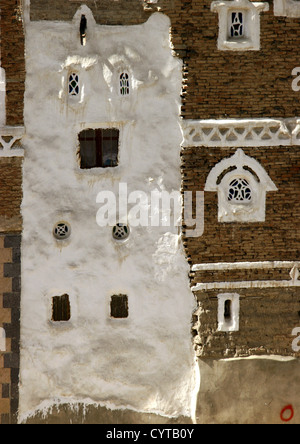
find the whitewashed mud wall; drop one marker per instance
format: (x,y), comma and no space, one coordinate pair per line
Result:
(144,362)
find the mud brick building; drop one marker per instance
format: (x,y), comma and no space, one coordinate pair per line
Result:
(12,84)
(194,96)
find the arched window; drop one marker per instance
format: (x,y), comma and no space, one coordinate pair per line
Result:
(124,84)
(241,184)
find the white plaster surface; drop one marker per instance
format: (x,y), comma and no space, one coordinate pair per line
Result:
(2,97)
(144,362)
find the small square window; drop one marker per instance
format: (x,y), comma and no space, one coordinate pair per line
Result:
(61,310)
(119,306)
(99,148)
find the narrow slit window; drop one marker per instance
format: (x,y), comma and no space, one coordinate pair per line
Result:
(124,84)
(227,310)
(73,84)
(61,310)
(99,148)
(82,30)
(119,306)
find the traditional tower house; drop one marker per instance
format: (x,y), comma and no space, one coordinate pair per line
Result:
(115,92)
(104,304)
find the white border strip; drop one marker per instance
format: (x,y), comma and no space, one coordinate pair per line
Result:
(241,132)
(246,284)
(221,266)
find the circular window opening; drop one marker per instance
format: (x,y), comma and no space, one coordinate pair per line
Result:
(239,191)
(62,230)
(120,232)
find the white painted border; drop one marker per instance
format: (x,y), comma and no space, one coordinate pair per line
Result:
(240,132)
(266,265)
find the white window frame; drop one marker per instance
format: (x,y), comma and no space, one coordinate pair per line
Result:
(251,20)
(259,182)
(232,323)
(287,8)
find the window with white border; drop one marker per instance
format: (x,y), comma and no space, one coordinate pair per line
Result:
(287,8)
(241,183)
(239,24)
(228,312)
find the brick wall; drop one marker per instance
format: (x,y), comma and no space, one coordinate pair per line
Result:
(276,239)
(266,321)
(10,321)
(10,194)
(12,59)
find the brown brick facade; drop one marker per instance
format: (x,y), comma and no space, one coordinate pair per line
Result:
(12,59)
(10,194)
(276,239)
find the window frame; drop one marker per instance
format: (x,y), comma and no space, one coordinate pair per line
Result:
(99,150)
(231,322)
(240,166)
(251,16)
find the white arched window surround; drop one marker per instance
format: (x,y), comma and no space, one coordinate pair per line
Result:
(241,183)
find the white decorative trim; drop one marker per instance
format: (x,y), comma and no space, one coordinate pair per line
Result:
(287,8)
(226,266)
(9,137)
(293,282)
(240,166)
(250,40)
(2,97)
(241,132)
